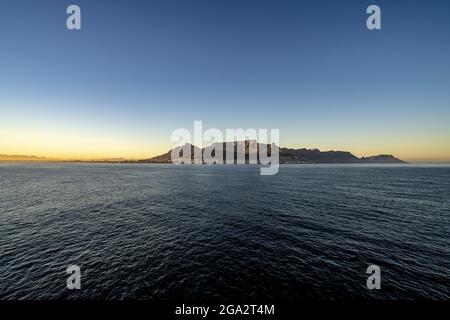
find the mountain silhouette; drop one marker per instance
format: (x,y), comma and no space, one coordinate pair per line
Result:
(286,155)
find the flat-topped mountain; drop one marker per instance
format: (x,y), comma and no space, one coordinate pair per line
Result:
(287,155)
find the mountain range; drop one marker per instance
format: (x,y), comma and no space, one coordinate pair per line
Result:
(286,155)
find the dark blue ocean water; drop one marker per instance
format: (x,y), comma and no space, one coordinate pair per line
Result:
(167,232)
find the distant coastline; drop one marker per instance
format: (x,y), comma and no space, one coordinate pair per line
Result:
(287,156)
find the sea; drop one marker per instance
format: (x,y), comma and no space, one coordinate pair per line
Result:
(164,232)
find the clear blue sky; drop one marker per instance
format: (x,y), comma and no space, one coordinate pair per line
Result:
(139,69)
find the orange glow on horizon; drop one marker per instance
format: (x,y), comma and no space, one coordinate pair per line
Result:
(69,143)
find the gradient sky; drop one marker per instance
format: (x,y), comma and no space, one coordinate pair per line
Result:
(140,69)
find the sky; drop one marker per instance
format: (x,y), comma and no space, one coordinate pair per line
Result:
(138,70)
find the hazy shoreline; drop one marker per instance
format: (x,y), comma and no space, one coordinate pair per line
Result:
(281,164)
